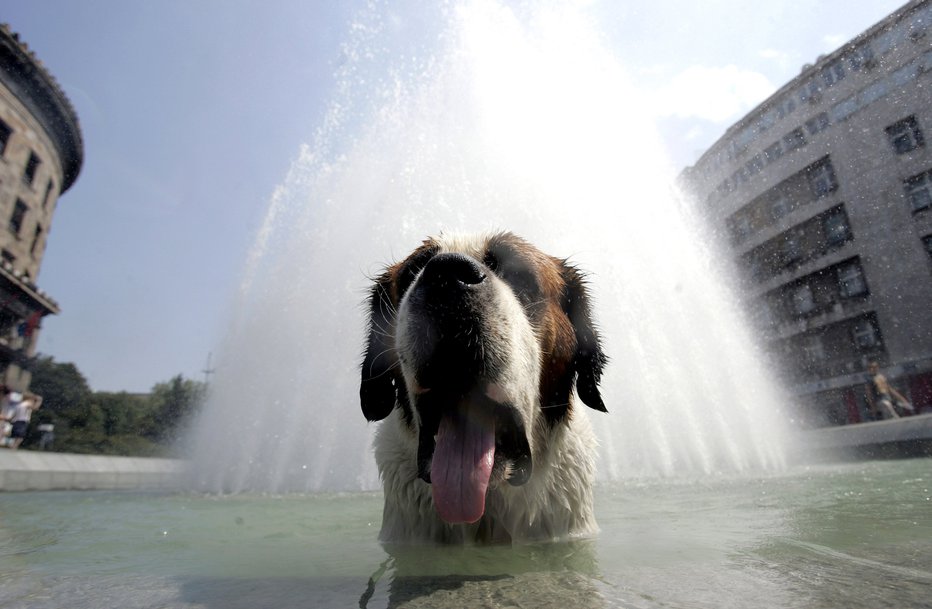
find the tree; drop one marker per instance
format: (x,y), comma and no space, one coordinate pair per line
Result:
(62,386)
(174,403)
(111,423)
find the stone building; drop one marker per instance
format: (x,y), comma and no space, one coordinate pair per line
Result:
(41,153)
(824,193)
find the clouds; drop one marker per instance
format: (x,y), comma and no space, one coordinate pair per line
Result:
(716,94)
(781,59)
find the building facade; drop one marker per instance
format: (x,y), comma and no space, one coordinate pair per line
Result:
(41,153)
(824,195)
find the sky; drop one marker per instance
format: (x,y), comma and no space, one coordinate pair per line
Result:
(193,111)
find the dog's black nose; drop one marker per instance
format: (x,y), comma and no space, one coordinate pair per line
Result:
(446,268)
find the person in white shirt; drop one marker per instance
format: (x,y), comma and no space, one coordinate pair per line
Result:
(22,412)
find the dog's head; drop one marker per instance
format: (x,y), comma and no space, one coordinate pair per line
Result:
(480,342)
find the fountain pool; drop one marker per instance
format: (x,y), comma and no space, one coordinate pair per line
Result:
(832,536)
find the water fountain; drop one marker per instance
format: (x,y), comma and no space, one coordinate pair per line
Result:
(508,121)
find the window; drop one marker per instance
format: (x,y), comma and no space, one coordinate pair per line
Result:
(794,140)
(773,152)
(862,58)
(927,241)
(821,177)
(851,280)
(5,133)
(779,208)
(32,165)
(835,227)
(810,92)
(48,194)
(833,73)
(817,124)
(782,110)
(740,228)
(813,349)
(8,257)
(35,239)
(865,334)
(792,250)
(905,135)
(803,301)
(16,220)
(919,191)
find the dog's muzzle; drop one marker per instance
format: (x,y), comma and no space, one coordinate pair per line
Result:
(451,348)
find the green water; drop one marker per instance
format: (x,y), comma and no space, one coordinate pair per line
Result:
(855,535)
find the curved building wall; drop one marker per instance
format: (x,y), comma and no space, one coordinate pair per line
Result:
(27,201)
(41,154)
(824,193)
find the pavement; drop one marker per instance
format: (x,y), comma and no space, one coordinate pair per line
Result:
(28,470)
(892,438)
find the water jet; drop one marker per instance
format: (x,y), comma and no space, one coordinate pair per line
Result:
(514,121)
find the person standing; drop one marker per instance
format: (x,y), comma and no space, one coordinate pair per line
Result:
(22,412)
(880,394)
(6,413)
(48,436)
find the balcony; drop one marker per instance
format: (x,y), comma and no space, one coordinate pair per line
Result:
(819,317)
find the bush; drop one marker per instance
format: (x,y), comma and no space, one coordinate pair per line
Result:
(109,423)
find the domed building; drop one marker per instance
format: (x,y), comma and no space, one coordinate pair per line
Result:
(41,153)
(824,194)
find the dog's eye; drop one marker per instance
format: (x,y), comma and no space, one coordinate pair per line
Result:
(514,271)
(524,283)
(491,261)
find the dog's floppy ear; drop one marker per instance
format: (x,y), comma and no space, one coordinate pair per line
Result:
(377,389)
(588,360)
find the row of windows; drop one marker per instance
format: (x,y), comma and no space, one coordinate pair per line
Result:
(794,140)
(863,57)
(864,336)
(812,183)
(807,241)
(18,215)
(849,282)
(31,168)
(832,350)
(15,225)
(824,289)
(857,59)
(819,292)
(860,58)
(904,136)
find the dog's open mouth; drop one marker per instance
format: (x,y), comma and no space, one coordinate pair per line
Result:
(459,448)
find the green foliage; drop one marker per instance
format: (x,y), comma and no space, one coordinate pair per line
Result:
(110,423)
(63,387)
(174,403)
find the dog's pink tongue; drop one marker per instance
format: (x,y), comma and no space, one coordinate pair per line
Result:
(461,467)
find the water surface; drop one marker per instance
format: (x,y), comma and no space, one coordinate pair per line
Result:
(855,535)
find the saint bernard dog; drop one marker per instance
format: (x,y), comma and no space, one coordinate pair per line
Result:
(475,347)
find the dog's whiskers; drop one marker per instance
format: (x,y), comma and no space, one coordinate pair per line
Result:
(395,364)
(566,405)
